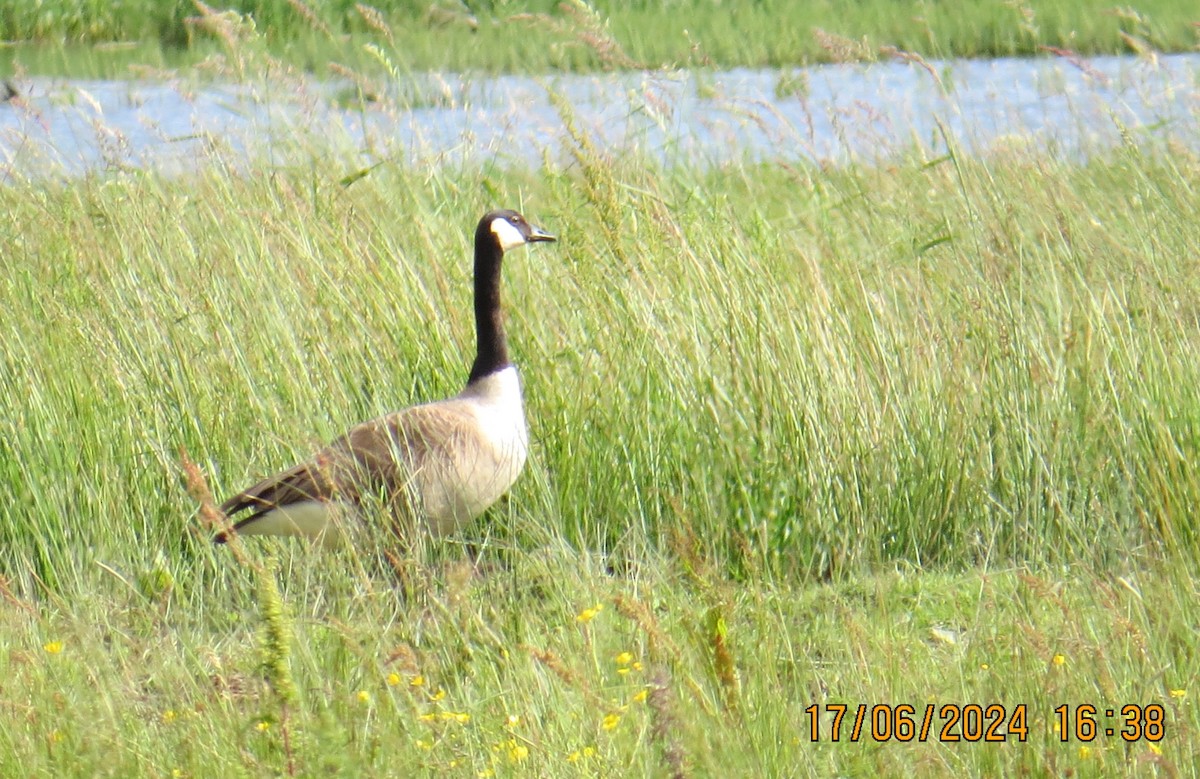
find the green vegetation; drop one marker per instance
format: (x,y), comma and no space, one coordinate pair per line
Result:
(104,38)
(921,433)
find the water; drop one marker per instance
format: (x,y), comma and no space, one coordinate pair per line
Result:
(830,113)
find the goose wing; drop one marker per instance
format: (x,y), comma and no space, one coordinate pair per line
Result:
(378,456)
(304,482)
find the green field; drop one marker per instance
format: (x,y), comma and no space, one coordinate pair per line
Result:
(82,37)
(921,433)
(918,433)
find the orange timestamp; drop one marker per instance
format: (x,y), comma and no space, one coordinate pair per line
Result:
(1130,722)
(948,722)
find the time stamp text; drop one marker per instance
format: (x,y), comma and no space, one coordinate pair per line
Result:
(971,723)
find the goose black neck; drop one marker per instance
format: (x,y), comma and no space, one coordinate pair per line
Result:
(491,345)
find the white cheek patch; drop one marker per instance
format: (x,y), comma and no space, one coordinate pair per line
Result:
(508,235)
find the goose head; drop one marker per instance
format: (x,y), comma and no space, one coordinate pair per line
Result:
(506,229)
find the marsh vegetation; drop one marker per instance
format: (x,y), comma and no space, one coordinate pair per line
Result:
(916,432)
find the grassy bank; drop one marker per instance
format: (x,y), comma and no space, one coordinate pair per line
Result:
(921,433)
(554,669)
(60,36)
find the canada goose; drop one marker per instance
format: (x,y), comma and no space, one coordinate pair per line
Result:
(442,463)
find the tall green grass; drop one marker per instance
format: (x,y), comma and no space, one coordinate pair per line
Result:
(105,38)
(934,356)
(921,432)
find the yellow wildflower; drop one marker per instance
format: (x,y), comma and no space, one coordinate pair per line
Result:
(462,718)
(589,751)
(1059,660)
(437,696)
(417,681)
(263,726)
(587,615)
(984,666)
(1085,752)
(637,665)
(430,717)
(610,721)
(625,658)
(517,751)
(574,757)
(393,679)
(1156,749)
(1178,693)
(640,695)
(169,716)
(53,647)
(363,696)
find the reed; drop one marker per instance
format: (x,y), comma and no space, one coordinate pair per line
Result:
(88,39)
